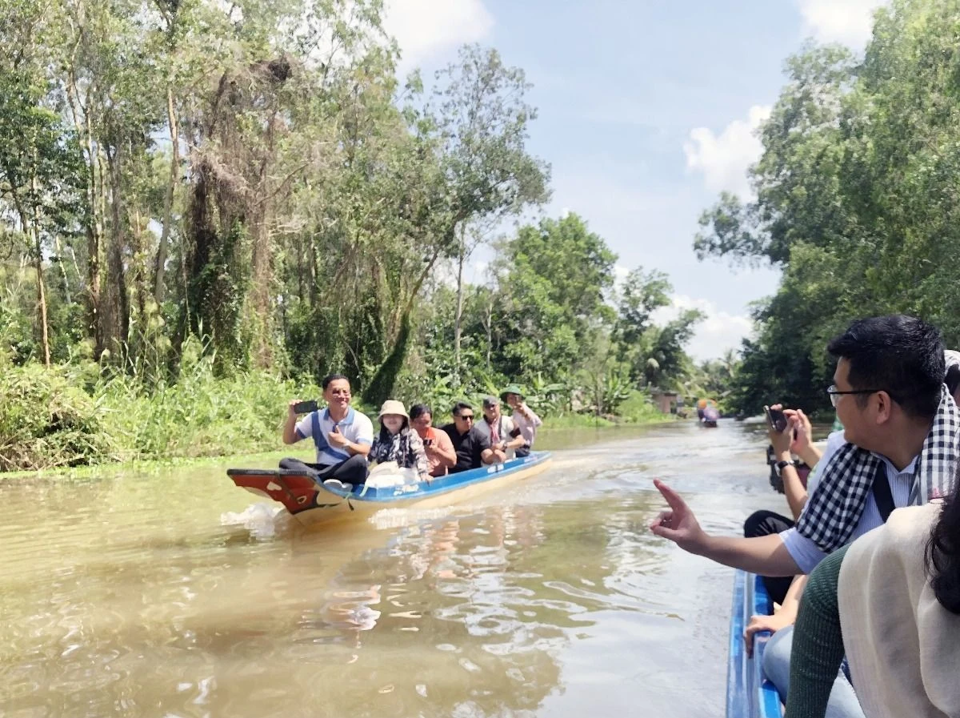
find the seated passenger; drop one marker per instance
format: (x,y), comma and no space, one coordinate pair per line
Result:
(504,436)
(397,442)
(342,435)
(523,417)
(472,447)
(900,446)
(891,601)
(436,443)
(796,439)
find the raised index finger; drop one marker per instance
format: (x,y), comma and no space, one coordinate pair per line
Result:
(672,497)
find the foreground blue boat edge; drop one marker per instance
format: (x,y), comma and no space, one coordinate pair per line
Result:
(749,694)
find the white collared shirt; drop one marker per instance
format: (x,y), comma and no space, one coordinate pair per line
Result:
(804,551)
(356,427)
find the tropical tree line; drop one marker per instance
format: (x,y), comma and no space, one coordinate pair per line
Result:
(195,191)
(856,200)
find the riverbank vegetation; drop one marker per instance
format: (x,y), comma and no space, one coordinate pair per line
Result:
(855,200)
(206,207)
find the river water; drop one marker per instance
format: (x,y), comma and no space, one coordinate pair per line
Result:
(177,594)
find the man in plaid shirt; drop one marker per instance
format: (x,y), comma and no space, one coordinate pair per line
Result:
(899,447)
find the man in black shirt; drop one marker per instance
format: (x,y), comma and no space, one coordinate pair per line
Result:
(472,447)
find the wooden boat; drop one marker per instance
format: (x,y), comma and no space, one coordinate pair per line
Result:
(310,502)
(749,693)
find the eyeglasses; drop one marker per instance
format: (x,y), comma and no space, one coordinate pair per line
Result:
(466,417)
(835,394)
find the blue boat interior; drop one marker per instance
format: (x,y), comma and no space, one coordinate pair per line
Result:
(749,693)
(440,484)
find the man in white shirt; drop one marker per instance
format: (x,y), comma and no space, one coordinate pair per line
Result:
(899,447)
(342,436)
(504,436)
(887,390)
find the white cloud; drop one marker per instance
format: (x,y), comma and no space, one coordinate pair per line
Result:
(425,29)
(619,275)
(724,159)
(716,333)
(846,21)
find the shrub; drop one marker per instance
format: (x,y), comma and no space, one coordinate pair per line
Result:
(47,422)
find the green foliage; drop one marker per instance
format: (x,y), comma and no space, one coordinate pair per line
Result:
(855,200)
(195,208)
(45,421)
(638,408)
(202,414)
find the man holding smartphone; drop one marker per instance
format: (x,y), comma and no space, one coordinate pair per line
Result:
(899,447)
(342,436)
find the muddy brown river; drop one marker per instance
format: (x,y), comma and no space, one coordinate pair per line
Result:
(177,594)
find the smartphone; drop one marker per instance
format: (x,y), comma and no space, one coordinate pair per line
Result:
(428,442)
(776,419)
(305,407)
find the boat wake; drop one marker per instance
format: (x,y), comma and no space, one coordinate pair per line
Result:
(261,519)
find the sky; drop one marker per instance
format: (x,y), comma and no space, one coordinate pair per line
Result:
(647,110)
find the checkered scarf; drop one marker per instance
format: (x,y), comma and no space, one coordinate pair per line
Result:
(834,509)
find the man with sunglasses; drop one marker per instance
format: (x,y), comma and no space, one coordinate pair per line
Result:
(472,446)
(899,446)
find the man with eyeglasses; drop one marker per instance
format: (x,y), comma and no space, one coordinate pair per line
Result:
(899,447)
(472,446)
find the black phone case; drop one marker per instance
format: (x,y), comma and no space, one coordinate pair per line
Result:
(779,420)
(305,407)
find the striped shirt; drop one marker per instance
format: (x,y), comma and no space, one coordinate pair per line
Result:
(356,427)
(804,551)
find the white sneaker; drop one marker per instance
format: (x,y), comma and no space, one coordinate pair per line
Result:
(338,484)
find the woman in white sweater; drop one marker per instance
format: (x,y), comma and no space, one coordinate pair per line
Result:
(891,602)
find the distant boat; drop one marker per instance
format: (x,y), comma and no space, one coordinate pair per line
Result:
(708,413)
(710,417)
(311,502)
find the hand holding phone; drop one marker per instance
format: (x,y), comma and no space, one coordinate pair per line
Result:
(776,419)
(305,407)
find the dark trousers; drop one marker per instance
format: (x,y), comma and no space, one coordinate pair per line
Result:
(764,523)
(350,471)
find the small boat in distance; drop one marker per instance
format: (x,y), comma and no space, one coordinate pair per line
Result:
(708,413)
(310,502)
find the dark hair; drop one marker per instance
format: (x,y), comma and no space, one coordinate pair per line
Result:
(418,410)
(325,382)
(942,558)
(460,406)
(900,355)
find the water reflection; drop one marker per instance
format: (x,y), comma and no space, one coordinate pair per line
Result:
(128,597)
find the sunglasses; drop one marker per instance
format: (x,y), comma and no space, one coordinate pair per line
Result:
(466,417)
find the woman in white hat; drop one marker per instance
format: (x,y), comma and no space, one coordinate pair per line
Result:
(397,442)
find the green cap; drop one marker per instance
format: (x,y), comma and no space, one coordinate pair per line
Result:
(512,389)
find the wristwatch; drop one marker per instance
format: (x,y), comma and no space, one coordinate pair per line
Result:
(782,464)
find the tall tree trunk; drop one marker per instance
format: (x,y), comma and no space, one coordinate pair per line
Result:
(32,225)
(58,245)
(94,222)
(161,259)
(119,299)
(262,260)
(457,327)
(41,297)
